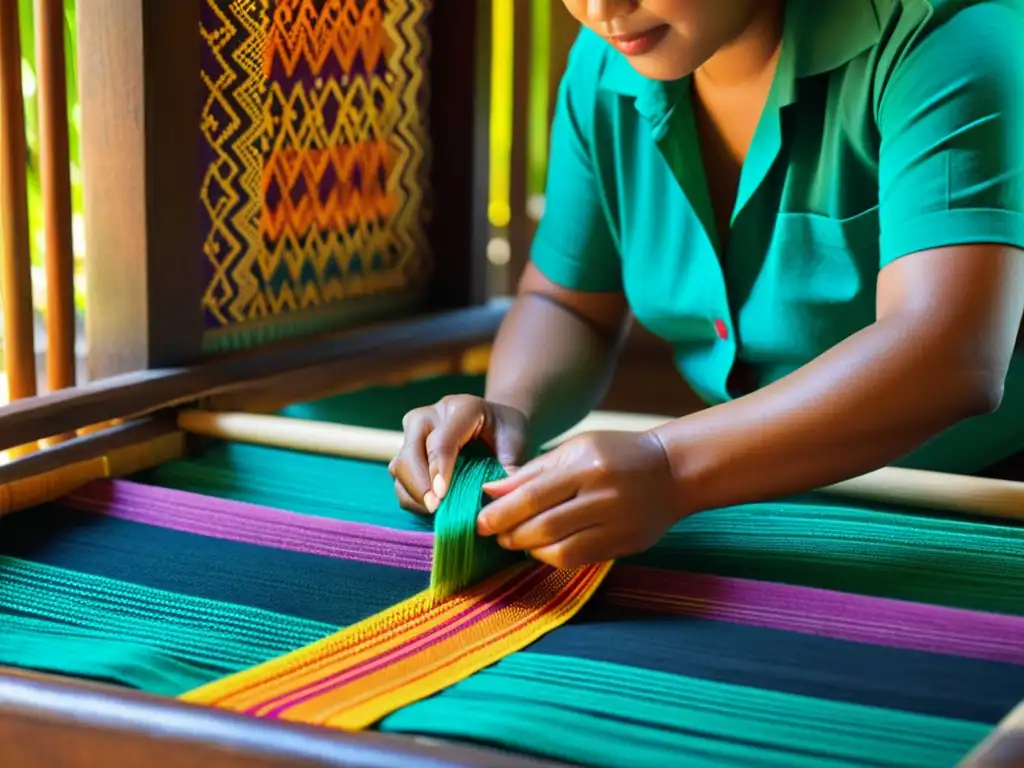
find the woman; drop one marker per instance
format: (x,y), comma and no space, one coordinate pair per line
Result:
(819,204)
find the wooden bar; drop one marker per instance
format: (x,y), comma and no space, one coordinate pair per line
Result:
(86,448)
(55,169)
(51,722)
(460,56)
(962,494)
(140,393)
(138,72)
(1004,747)
(15,253)
(520,231)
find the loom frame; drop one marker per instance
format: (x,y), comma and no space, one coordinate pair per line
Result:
(38,707)
(140,92)
(50,721)
(55,711)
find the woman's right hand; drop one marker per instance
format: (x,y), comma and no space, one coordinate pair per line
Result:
(435,434)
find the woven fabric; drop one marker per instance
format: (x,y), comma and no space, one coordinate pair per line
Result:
(801,632)
(315,150)
(352,679)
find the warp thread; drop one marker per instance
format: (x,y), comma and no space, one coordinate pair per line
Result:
(463,559)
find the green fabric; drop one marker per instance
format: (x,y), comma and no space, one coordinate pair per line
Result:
(323,486)
(809,541)
(52,619)
(461,557)
(958,563)
(893,126)
(558,707)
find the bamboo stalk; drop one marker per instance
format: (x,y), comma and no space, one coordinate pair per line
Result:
(15,255)
(890,485)
(56,187)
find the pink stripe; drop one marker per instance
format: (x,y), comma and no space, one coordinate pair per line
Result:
(460,623)
(252,524)
(825,613)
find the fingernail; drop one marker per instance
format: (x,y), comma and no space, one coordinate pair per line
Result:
(430,502)
(482,528)
(504,542)
(440,488)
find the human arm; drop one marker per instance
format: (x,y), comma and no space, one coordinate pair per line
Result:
(937,354)
(556,349)
(950,294)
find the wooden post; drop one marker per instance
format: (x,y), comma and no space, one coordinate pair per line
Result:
(519,229)
(460,79)
(56,185)
(15,255)
(139,88)
(148,97)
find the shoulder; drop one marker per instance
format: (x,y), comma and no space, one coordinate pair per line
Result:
(952,40)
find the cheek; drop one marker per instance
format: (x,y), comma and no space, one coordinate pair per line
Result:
(577,8)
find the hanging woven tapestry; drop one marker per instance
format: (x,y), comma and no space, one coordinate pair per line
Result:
(315,152)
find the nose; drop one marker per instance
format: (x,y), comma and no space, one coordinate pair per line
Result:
(604,11)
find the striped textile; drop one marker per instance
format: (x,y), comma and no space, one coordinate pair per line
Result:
(354,678)
(783,634)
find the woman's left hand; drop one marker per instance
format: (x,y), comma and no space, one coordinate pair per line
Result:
(596,497)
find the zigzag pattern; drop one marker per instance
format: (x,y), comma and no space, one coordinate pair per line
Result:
(316,153)
(303,33)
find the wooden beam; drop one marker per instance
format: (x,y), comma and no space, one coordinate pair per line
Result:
(55,170)
(460,66)
(59,723)
(86,448)
(138,68)
(15,255)
(130,395)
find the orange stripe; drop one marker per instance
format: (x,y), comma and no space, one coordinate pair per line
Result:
(310,685)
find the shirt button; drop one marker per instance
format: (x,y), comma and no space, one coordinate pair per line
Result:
(722,330)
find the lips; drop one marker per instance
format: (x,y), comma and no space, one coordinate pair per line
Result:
(639,43)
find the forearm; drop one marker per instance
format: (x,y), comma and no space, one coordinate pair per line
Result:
(870,400)
(550,364)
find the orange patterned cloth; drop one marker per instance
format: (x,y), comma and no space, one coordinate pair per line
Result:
(415,649)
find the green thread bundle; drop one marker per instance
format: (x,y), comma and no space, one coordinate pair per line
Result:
(461,557)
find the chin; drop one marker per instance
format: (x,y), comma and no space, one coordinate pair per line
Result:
(655,67)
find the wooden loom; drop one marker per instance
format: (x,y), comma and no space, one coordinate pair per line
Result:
(129,418)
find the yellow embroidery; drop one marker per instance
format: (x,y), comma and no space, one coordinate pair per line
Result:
(316,153)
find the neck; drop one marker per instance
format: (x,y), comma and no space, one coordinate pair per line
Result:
(752,54)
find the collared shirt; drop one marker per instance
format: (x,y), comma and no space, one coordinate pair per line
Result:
(891,127)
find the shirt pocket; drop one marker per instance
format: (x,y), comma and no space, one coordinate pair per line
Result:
(817,259)
(817,281)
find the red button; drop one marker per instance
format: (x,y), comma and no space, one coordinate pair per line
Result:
(722,330)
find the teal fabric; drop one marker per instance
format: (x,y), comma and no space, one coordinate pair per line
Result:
(892,126)
(598,713)
(310,484)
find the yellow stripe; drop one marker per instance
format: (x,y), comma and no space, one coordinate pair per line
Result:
(303,678)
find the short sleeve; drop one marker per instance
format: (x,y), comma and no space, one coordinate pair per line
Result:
(574,245)
(950,116)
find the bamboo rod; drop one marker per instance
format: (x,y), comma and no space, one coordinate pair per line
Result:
(889,485)
(29,492)
(15,264)
(56,187)
(1003,747)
